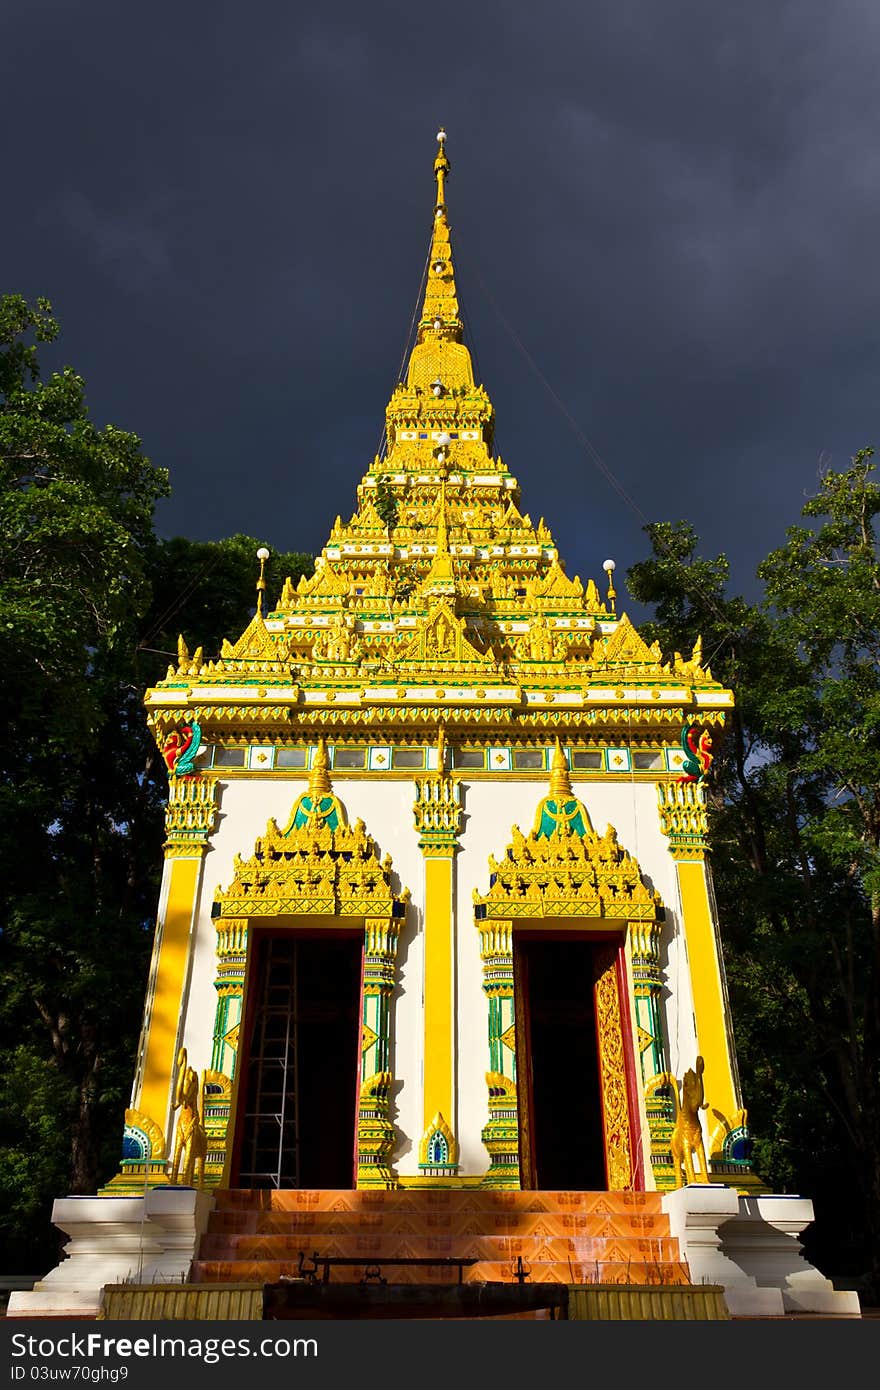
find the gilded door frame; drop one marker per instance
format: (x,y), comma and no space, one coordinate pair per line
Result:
(563,875)
(318,873)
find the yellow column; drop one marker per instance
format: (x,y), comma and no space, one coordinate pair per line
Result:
(189,820)
(683,819)
(439,977)
(438,819)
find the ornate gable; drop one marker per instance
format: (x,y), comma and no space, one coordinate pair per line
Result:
(564,869)
(441,639)
(318,865)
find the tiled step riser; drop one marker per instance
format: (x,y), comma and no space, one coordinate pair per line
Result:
(484,1247)
(431,1200)
(235,1224)
(560,1237)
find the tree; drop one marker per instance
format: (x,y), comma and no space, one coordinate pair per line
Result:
(90,607)
(76,520)
(795,820)
(385,503)
(206,591)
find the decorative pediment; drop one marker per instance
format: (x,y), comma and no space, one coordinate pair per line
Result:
(441,639)
(317,865)
(563,868)
(324,583)
(555,584)
(254,644)
(624,646)
(318,808)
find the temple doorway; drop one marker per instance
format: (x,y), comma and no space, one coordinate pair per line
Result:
(299,1059)
(562,1145)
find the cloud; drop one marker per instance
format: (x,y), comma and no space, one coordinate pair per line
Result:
(674,206)
(127,245)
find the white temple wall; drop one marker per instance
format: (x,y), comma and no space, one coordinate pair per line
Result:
(150,995)
(490,810)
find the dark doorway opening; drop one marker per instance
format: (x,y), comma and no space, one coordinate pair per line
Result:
(299,1063)
(562,1144)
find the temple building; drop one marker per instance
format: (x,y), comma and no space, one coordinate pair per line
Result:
(436,927)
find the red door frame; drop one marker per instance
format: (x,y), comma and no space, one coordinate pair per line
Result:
(243,1057)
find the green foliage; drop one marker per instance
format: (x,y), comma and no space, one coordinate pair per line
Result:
(386,504)
(90,608)
(206,590)
(76,526)
(795,822)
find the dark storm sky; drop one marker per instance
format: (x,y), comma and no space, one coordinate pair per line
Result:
(674,204)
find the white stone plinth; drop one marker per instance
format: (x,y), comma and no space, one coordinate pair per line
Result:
(750,1246)
(139,1240)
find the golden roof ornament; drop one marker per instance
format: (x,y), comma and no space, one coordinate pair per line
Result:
(464,600)
(262,556)
(442,169)
(440,578)
(319,777)
(560,778)
(609,567)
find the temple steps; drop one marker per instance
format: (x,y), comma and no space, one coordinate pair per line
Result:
(432,1199)
(552,1237)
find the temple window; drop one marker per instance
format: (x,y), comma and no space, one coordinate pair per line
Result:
(349,757)
(291,757)
(528,759)
(648,760)
(228,757)
(408,757)
(469,757)
(585,761)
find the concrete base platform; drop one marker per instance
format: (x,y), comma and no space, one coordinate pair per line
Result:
(749,1245)
(114,1240)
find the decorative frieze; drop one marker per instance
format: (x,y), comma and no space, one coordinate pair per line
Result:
(683,818)
(190,815)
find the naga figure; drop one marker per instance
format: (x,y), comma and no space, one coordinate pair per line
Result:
(697,749)
(687,1135)
(181,748)
(190,1140)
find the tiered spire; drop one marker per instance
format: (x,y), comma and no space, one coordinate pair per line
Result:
(439,582)
(439,360)
(449,529)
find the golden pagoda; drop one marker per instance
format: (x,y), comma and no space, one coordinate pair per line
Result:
(436,914)
(439,666)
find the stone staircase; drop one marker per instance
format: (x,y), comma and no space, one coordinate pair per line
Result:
(554,1237)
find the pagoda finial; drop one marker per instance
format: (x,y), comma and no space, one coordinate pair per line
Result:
(319,778)
(440,578)
(439,317)
(442,529)
(442,170)
(560,778)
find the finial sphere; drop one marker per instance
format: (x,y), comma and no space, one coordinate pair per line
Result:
(609,566)
(441,135)
(262,553)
